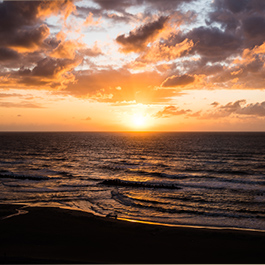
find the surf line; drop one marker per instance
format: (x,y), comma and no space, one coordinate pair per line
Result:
(19,212)
(191,226)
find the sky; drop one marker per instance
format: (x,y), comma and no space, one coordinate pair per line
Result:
(132,65)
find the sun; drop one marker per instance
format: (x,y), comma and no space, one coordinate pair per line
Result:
(138,120)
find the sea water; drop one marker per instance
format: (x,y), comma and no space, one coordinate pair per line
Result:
(187,178)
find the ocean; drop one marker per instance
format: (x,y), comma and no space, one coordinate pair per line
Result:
(200,179)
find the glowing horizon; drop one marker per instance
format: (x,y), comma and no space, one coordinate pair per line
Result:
(188,65)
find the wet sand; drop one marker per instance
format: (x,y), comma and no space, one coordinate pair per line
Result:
(53,235)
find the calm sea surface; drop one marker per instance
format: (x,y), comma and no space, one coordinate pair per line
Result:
(202,179)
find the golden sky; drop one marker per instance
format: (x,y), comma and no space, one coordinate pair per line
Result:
(119,65)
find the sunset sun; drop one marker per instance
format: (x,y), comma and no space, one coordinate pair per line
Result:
(138,120)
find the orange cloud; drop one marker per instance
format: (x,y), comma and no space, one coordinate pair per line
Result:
(178,80)
(102,86)
(62,7)
(259,49)
(90,21)
(67,49)
(170,111)
(162,52)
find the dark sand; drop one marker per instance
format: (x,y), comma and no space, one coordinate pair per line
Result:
(52,235)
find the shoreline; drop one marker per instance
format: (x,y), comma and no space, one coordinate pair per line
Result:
(59,235)
(193,226)
(22,205)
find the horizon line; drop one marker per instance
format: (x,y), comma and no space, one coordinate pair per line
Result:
(127,131)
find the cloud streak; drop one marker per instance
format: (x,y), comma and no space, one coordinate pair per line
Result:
(23,104)
(169,111)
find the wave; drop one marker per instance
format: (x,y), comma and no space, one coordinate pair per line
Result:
(133,168)
(186,209)
(157,170)
(12,175)
(17,162)
(139,184)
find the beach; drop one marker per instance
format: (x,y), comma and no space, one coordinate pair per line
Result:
(54,235)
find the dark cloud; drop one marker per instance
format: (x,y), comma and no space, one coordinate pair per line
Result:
(254,26)
(242,6)
(234,6)
(178,80)
(117,10)
(29,39)
(121,5)
(226,19)
(243,18)
(49,73)
(214,44)
(170,111)
(22,25)
(24,40)
(100,12)
(48,67)
(15,14)
(7,54)
(162,5)
(136,40)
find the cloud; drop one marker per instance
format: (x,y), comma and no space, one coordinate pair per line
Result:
(244,19)
(174,50)
(214,44)
(178,80)
(239,108)
(5,95)
(163,52)
(214,104)
(21,24)
(254,26)
(32,55)
(122,5)
(90,21)
(23,104)
(170,111)
(91,52)
(88,119)
(138,39)
(67,49)
(49,73)
(7,54)
(62,8)
(253,109)
(102,86)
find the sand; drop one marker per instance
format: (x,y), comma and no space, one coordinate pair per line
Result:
(53,235)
